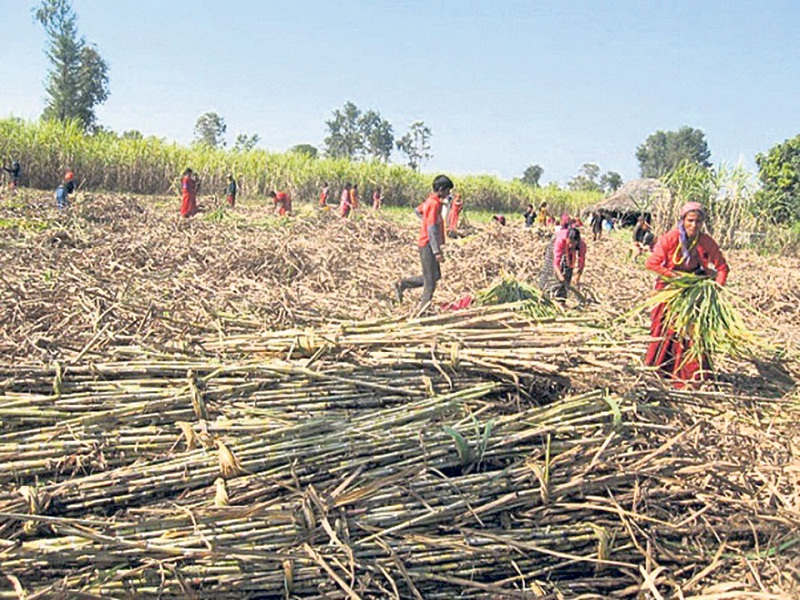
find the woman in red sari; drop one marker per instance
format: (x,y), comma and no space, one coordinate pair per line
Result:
(455,212)
(684,249)
(188,194)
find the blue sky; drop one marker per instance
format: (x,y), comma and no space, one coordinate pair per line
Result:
(501,83)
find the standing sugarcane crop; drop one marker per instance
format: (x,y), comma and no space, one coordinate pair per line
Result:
(684,249)
(431,240)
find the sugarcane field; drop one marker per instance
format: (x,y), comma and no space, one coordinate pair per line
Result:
(243,404)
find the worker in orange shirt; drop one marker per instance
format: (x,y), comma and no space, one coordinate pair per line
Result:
(430,242)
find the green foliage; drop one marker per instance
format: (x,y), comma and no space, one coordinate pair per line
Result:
(209,129)
(779,172)
(150,165)
(305,149)
(586,180)
(415,144)
(78,77)
(532,175)
(246,142)
(611,181)
(728,194)
(663,151)
(356,135)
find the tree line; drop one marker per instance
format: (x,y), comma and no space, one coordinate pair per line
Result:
(78,81)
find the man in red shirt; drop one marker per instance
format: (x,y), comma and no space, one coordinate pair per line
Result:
(431,240)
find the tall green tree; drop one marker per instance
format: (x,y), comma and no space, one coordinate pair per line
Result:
(415,144)
(779,172)
(586,180)
(663,151)
(611,181)
(355,134)
(245,142)
(532,175)
(209,129)
(377,136)
(78,78)
(305,149)
(344,133)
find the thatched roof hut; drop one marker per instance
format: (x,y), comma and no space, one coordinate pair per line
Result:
(636,197)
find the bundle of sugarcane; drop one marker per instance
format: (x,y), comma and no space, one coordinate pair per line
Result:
(698,309)
(508,289)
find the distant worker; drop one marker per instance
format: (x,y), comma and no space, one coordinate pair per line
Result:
(232,189)
(597,225)
(324,195)
(14,172)
(500,220)
(354,197)
(64,190)
(643,238)
(282,202)
(430,242)
(189,185)
(345,201)
(454,215)
(529,215)
(377,199)
(542,217)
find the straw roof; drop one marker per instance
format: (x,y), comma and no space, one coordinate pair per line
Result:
(639,195)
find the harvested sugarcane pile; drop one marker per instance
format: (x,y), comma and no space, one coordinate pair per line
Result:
(234,407)
(507,289)
(435,496)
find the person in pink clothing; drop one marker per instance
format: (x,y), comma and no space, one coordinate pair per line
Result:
(569,260)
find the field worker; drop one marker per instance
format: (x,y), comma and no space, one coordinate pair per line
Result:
(643,238)
(231,191)
(529,215)
(542,218)
(282,202)
(14,172)
(377,199)
(354,197)
(324,195)
(64,190)
(345,202)
(684,249)
(188,194)
(500,220)
(569,260)
(430,242)
(453,216)
(597,225)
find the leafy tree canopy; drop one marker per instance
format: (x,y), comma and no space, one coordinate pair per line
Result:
(209,129)
(611,181)
(663,151)
(415,144)
(532,175)
(779,172)
(78,76)
(305,149)
(586,179)
(355,134)
(245,142)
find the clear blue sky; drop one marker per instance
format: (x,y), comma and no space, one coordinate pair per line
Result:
(502,83)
